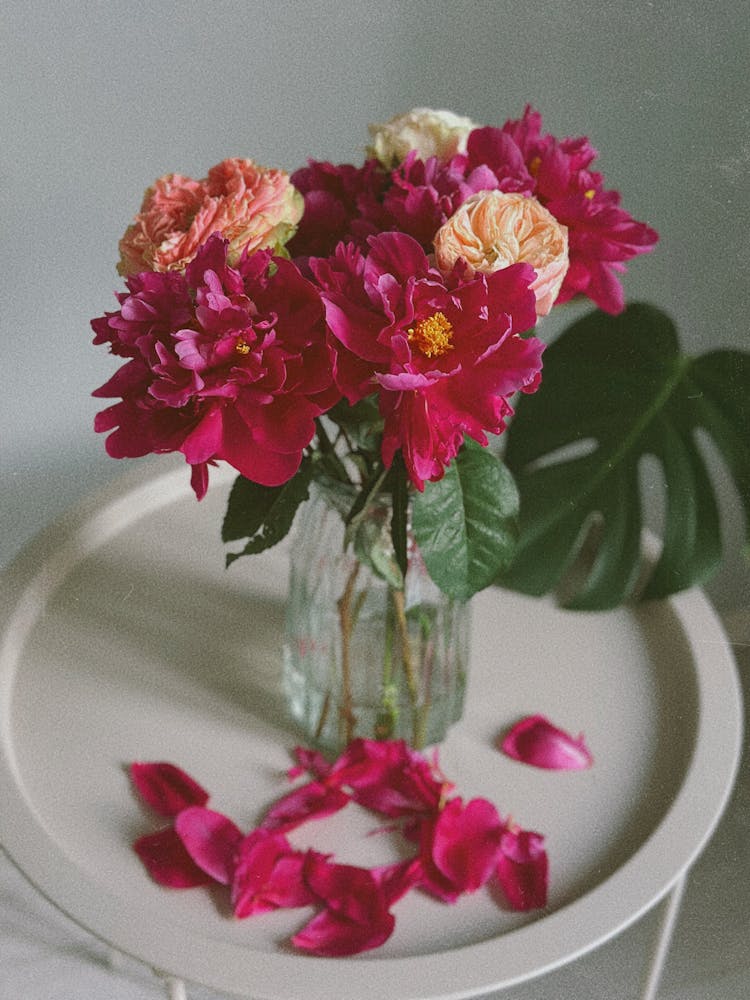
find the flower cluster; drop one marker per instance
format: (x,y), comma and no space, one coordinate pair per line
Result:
(257,302)
(457,846)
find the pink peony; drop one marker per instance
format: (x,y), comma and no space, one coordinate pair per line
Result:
(251,206)
(442,354)
(601,235)
(224,364)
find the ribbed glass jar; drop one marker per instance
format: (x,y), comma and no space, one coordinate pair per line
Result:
(363,655)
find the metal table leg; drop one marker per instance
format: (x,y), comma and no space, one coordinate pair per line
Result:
(663,939)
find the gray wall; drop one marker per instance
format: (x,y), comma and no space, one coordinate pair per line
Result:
(100,98)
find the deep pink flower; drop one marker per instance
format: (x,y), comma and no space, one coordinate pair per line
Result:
(342,202)
(443,355)
(166,788)
(268,875)
(534,740)
(558,173)
(460,848)
(225,364)
(522,869)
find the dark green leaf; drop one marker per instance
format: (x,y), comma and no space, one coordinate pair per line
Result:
(614,390)
(466,523)
(263,514)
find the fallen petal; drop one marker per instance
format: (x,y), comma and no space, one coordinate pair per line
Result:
(166,788)
(311,801)
(268,875)
(534,740)
(211,840)
(167,862)
(523,869)
(329,934)
(353,893)
(466,843)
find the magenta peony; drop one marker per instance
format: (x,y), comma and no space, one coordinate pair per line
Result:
(442,354)
(251,206)
(224,364)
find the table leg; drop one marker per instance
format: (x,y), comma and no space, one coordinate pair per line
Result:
(175,987)
(663,939)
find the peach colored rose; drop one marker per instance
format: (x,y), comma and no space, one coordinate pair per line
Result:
(492,230)
(251,206)
(430,133)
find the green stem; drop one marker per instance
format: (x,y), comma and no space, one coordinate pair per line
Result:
(419,720)
(346,621)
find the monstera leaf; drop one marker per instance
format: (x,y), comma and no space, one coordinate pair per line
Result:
(614,391)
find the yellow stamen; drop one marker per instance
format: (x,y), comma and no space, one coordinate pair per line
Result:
(242,346)
(432,335)
(589,194)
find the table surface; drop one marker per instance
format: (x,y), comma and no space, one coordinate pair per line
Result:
(124,638)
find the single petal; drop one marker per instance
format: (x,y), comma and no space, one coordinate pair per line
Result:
(534,740)
(211,840)
(312,801)
(166,788)
(353,893)
(167,862)
(466,842)
(331,935)
(523,869)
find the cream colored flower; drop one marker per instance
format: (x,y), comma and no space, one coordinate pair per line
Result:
(492,230)
(430,133)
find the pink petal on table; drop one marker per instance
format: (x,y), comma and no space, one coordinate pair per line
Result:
(523,869)
(211,840)
(166,788)
(466,842)
(352,892)
(167,862)
(268,875)
(331,935)
(534,740)
(311,761)
(311,801)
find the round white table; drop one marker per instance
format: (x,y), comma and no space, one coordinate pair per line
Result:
(124,638)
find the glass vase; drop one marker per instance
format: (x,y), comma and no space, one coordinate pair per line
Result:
(367,654)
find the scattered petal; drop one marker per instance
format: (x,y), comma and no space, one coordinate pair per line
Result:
(331,935)
(523,869)
(311,762)
(268,875)
(166,788)
(312,801)
(211,840)
(534,740)
(167,862)
(465,843)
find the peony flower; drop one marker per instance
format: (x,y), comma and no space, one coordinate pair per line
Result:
(534,740)
(442,355)
(601,235)
(251,206)
(341,203)
(427,132)
(224,364)
(494,229)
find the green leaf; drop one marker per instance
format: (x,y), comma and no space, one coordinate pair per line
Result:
(466,523)
(263,514)
(614,390)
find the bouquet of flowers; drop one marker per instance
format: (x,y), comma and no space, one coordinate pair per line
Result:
(373,325)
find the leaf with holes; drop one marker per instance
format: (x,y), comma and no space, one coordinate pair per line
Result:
(615,390)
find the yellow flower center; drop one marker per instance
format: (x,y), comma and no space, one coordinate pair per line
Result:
(432,335)
(242,346)
(589,194)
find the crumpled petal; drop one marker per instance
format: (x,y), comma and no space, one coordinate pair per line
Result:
(166,788)
(536,741)
(164,856)
(331,935)
(311,761)
(465,843)
(211,840)
(268,875)
(522,869)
